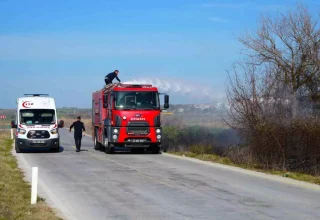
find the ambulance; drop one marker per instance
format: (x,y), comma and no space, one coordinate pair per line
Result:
(36,123)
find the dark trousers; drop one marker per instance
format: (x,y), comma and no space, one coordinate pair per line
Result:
(78,142)
(107,81)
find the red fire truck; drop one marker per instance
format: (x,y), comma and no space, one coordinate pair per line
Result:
(126,115)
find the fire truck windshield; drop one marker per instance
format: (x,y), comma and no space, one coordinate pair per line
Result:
(37,116)
(136,100)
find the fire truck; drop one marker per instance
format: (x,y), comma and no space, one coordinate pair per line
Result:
(127,115)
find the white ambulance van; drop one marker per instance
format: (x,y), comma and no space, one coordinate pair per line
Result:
(36,123)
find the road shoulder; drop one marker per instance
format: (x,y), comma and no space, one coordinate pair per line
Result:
(297,183)
(43,190)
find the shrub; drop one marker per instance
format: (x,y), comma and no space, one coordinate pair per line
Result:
(274,94)
(201,149)
(197,137)
(291,146)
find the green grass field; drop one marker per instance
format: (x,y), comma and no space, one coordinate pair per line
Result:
(15,192)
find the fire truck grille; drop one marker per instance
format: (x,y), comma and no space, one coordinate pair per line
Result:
(38,134)
(138,128)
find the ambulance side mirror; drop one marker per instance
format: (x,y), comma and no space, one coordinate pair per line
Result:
(13,124)
(61,124)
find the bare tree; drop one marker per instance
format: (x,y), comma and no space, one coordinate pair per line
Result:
(290,42)
(281,68)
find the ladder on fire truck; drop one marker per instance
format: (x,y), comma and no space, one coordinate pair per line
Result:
(109,87)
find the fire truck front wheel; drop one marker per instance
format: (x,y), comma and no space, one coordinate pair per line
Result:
(155,149)
(109,149)
(97,145)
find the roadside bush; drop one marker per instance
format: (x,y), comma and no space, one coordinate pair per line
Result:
(274,94)
(170,138)
(290,146)
(201,149)
(240,154)
(197,139)
(172,120)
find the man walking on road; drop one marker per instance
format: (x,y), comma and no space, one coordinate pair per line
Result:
(78,128)
(108,78)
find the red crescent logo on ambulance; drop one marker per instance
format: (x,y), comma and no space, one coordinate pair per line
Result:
(27,104)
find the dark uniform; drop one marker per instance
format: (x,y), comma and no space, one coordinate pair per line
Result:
(78,127)
(108,78)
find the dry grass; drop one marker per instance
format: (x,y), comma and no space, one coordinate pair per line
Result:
(206,157)
(87,123)
(4,124)
(226,161)
(15,192)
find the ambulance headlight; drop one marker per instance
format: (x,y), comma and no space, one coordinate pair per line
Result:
(115,131)
(114,137)
(158,131)
(159,136)
(21,131)
(54,131)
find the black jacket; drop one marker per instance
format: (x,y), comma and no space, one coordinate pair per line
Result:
(111,77)
(78,127)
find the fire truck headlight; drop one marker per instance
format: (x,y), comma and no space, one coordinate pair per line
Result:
(114,137)
(158,131)
(115,131)
(54,131)
(159,136)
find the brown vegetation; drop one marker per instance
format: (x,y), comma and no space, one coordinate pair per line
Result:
(86,121)
(181,136)
(274,95)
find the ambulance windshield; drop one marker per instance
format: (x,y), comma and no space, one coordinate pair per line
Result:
(37,116)
(137,100)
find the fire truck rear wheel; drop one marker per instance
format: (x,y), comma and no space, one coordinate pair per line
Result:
(97,145)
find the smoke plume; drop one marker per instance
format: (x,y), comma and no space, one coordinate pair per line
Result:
(179,88)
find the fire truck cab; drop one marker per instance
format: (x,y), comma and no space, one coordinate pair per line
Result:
(126,115)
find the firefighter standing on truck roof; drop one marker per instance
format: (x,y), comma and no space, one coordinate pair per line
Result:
(78,127)
(108,78)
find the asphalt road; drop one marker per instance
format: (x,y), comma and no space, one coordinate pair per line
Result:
(94,185)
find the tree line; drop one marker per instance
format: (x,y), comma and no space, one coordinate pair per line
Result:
(274,93)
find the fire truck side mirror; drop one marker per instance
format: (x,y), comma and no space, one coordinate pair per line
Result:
(13,124)
(166,101)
